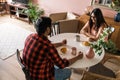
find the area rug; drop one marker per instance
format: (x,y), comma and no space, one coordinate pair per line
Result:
(12,37)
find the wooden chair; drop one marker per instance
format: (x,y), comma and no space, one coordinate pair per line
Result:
(107,73)
(62,23)
(24,69)
(112,30)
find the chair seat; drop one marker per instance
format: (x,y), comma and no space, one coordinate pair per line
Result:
(102,70)
(118,75)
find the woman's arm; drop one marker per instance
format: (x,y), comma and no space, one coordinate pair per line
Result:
(85,30)
(94,38)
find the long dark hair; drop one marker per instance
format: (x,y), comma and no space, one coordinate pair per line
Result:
(99,18)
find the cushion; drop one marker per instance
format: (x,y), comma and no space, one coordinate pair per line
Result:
(118,75)
(102,70)
(70,16)
(99,69)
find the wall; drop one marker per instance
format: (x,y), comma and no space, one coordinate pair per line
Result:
(9,1)
(76,6)
(51,6)
(107,12)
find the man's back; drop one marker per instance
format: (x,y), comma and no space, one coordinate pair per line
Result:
(40,56)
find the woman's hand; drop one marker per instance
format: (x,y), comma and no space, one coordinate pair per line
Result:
(91,40)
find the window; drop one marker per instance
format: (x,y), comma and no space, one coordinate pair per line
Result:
(102,2)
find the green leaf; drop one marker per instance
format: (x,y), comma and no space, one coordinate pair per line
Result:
(33,11)
(108,46)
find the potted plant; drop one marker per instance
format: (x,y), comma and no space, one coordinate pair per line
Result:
(104,42)
(115,4)
(33,12)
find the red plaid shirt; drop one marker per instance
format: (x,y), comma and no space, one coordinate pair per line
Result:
(40,56)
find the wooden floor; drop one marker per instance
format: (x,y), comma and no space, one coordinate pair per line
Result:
(9,68)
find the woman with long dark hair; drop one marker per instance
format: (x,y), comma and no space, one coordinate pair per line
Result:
(95,25)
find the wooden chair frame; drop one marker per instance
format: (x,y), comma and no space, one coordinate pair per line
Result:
(24,69)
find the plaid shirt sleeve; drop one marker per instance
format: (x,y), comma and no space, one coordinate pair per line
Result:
(55,58)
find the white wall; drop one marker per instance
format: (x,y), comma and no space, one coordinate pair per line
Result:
(77,6)
(9,0)
(51,6)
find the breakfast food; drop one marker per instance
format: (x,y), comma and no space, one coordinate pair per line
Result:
(86,43)
(63,50)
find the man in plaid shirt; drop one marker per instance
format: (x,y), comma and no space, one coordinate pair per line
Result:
(40,55)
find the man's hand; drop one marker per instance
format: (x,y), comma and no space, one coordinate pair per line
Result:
(64,41)
(60,43)
(79,56)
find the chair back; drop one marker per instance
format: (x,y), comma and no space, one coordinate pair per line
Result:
(112,30)
(2,0)
(58,16)
(3,7)
(24,69)
(68,26)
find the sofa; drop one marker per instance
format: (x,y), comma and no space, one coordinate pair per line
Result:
(115,37)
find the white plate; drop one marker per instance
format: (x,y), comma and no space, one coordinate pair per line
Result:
(65,46)
(68,54)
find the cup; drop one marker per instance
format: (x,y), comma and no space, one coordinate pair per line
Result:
(74,51)
(78,38)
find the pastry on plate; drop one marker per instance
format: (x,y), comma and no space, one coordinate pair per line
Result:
(86,43)
(63,50)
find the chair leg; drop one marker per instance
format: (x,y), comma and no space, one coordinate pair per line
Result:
(55,29)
